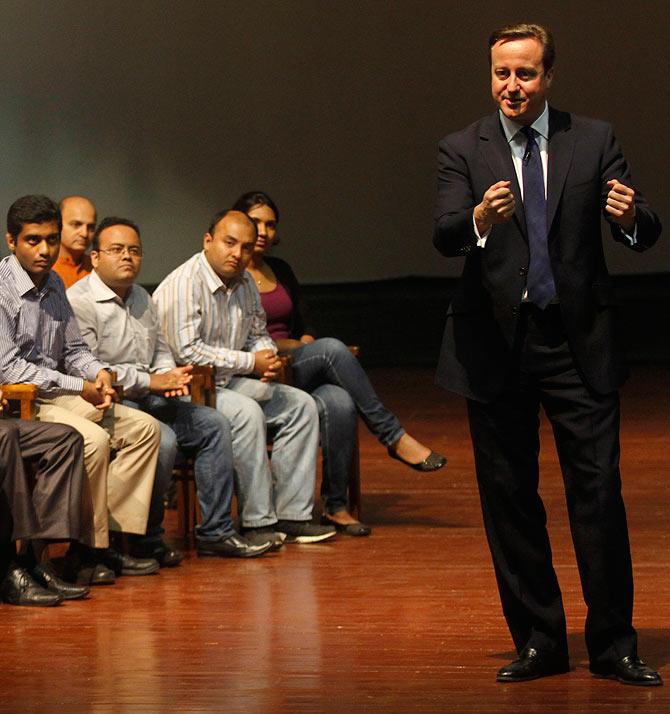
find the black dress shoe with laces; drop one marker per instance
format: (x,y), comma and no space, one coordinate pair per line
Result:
(123,564)
(533,664)
(232,546)
(19,588)
(166,556)
(628,670)
(47,578)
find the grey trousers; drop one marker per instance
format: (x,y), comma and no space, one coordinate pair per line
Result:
(52,507)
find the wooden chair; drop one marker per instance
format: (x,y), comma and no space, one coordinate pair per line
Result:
(203,393)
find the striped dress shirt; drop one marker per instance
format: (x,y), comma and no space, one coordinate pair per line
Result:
(208,322)
(40,341)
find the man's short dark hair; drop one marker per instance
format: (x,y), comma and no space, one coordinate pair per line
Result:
(32,209)
(520,31)
(108,222)
(220,215)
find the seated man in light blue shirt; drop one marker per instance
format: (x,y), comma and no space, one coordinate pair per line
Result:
(211,313)
(119,323)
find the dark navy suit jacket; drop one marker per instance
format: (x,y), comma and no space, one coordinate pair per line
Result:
(482,318)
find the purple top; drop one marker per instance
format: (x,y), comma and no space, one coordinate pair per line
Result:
(278,307)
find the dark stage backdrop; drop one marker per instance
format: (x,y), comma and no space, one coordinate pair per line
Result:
(165,111)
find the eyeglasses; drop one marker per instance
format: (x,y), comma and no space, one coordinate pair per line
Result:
(134,251)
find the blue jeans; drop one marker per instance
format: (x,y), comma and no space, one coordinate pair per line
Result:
(334,377)
(204,434)
(284,488)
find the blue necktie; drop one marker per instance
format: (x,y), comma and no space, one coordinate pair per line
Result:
(540,282)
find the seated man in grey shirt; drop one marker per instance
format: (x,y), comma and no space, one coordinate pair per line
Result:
(211,313)
(119,323)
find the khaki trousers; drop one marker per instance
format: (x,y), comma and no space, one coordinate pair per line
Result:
(119,491)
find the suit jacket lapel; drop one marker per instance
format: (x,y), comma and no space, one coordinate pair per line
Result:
(495,149)
(561,150)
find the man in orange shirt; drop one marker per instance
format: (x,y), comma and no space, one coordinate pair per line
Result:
(79,219)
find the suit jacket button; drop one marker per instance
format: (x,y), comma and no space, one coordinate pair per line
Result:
(523,272)
(515,310)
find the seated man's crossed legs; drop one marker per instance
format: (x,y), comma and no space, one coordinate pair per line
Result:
(119,491)
(277,496)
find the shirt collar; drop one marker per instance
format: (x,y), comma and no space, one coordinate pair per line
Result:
(214,282)
(512,128)
(23,281)
(101,292)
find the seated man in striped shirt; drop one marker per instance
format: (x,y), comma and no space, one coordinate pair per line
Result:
(211,313)
(119,323)
(40,344)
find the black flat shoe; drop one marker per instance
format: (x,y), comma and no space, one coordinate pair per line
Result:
(533,664)
(432,462)
(352,529)
(47,578)
(628,670)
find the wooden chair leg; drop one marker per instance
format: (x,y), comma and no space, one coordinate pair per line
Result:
(355,481)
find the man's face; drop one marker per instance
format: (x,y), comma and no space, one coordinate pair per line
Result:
(119,259)
(78,225)
(519,84)
(36,248)
(229,249)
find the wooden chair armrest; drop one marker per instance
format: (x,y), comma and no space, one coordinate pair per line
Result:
(203,386)
(24,394)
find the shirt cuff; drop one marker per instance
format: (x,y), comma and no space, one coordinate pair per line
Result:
(632,239)
(481,240)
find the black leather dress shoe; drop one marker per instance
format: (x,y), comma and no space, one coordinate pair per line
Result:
(19,588)
(263,534)
(234,546)
(628,670)
(166,556)
(79,566)
(123,564)
(47,578)
(533,664)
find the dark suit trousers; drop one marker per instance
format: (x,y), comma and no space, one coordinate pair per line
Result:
(506,445)
(51,507)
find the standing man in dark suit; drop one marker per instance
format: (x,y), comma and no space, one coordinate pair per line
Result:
(521,195)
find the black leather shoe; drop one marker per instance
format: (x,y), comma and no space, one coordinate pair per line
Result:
(628,670)
(18,588)
(263,534)
(45,576)
(78,566)
(166,556)
(533,665)
(123,564)
(234,546)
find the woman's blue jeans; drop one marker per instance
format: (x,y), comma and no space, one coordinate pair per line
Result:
(334,377)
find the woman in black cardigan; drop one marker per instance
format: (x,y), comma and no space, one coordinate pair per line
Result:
(328,371)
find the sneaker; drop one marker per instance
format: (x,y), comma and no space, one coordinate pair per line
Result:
(304,531)
(264,534)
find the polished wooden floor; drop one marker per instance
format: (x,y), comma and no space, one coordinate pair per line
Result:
(407,620)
